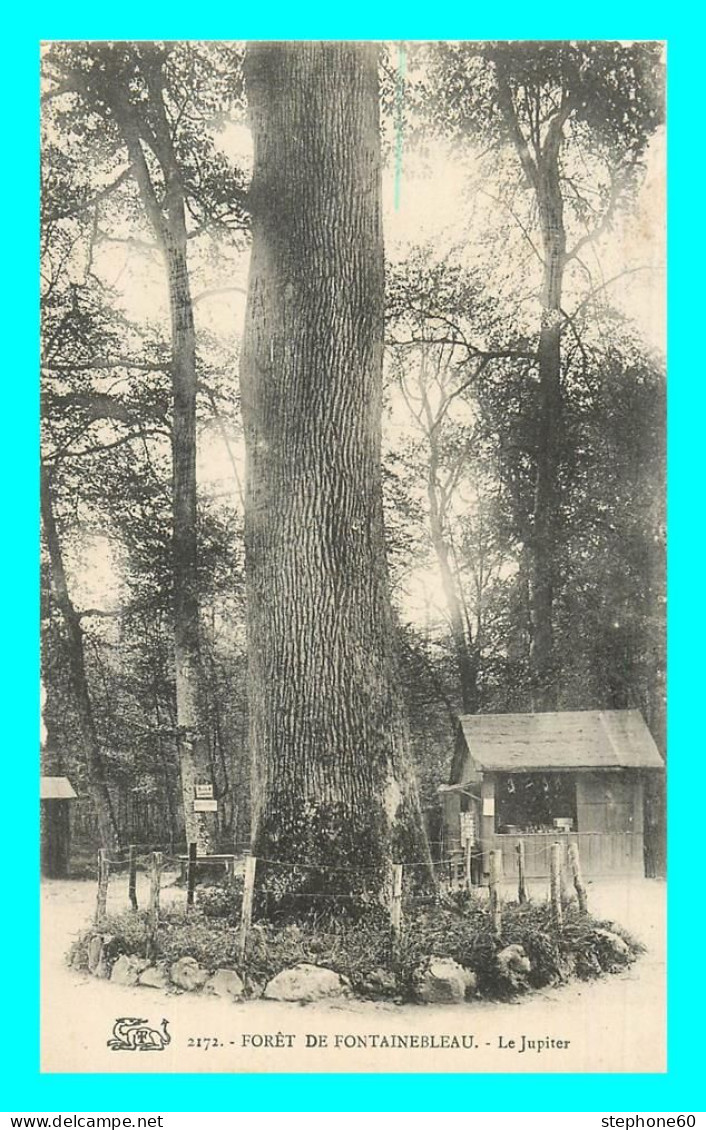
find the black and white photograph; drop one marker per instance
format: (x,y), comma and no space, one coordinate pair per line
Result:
(353,542)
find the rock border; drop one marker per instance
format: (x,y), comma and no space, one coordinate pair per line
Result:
(436,980)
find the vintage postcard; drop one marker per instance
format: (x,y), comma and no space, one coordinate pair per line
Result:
(353,556)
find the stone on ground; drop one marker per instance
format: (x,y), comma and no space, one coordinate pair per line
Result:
(513,964)
(380,981)
(225,983)
(97,955)
(188,974)
(443,981)
(304,982)
(127,969)
(155,976)
(617,945)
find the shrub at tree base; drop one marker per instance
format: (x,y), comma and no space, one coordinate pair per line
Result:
(529,954)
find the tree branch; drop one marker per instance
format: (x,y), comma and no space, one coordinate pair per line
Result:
(52,217)
(109,363)
(101,406)
(622,274)
(216,290)
(602,226)
(99,448)
(510,115)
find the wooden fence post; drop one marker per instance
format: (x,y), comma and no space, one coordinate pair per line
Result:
(567,886)
(467,862)
(555,884)
(396,904)
(246,910)
(495,861)
(191,877)
(521,872)
(155,880)
(103,877)
(132,876)
(575,864)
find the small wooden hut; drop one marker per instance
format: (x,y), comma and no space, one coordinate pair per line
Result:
(578,775)
(55,794)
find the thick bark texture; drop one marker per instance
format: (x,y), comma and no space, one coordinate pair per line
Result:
(84,732)
(332,784)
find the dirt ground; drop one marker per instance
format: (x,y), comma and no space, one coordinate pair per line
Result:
(615,1024)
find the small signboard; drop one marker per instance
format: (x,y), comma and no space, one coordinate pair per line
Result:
(206,805)
(203,792)
(489,806)
(468,828)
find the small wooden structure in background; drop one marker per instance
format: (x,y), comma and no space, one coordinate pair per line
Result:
(55,794)
(576,775)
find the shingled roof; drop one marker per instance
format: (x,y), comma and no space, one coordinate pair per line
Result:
(581,739)
(56,788)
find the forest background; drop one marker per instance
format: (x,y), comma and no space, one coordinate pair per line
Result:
(523,424)
(21,661)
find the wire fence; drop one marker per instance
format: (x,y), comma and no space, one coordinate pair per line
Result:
(400,888)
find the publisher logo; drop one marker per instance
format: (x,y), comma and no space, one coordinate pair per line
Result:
(133,1035)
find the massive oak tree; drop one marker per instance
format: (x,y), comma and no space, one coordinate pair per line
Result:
(331,779)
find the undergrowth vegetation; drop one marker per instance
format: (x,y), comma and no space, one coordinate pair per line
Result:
(362,950)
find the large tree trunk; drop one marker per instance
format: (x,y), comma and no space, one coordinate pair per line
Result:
(84,731)
(332,784)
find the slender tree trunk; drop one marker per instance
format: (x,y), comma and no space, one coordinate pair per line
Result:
(540,164)
(545,517)
(168,219)
(332,784)
(192,735)
(85,730)
(466,662)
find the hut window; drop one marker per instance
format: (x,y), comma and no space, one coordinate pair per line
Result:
(531,802)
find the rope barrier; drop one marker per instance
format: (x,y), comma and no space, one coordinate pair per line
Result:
(397,902)
(178,861)
(337,870)
(205,861)
(320,895)
(144,860)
